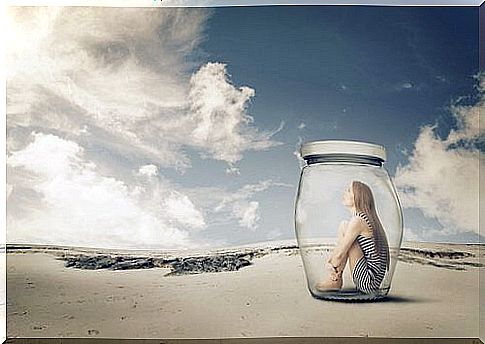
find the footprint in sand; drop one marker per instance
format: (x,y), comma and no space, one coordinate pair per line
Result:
(38,327)
(93,332)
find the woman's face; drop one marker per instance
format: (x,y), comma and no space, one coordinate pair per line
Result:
(348,197)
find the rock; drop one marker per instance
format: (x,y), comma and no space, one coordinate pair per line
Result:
(140,263)
(224,262)
(186,265)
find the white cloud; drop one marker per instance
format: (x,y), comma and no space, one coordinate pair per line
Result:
(405,85)
(233,170)
(122,70)
(127,72)
(247,213)
(149,170)
(301,125)
(441,177)
(441,78)
(108,88)
(218,109)
(79,206)
(181,208)
(247,191)
(225,207)
(239,205)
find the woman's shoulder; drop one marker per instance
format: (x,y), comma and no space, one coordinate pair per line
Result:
(360,213)
(362,218)
(357,221)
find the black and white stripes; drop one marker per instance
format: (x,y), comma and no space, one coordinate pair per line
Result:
(364,217)
(370,269)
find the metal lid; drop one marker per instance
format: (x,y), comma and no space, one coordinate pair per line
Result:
(339,147)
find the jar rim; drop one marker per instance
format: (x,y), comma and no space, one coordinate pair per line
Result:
(345,147)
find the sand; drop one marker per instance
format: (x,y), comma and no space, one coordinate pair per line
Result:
(266,299)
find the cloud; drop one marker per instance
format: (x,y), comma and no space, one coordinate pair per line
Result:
(233,170)
(115,69)
(114,96)
(179,207)
(219,111)
(441,177)
(128,75)
(301,125)
(149,170)
(79,206)
(241,206)
(405,85)
(224,207)
(441,78)
(247,213)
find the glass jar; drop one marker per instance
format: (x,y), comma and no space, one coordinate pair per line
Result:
(348,220)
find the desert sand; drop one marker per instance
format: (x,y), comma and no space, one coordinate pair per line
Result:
(435,293)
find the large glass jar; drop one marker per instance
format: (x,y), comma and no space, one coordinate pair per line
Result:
(348,220)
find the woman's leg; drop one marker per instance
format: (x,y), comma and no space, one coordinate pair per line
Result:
(353,255)
(341,234)
(334,279)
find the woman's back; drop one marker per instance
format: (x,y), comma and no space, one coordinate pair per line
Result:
(371,268)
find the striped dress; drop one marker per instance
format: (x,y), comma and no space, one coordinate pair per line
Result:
(370,269)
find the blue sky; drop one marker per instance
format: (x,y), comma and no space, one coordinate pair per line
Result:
(144,112)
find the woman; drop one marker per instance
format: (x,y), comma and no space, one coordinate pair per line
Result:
(362,241)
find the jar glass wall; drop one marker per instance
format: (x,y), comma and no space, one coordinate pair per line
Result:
(336,186)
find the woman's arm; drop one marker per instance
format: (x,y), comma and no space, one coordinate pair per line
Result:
(340,252)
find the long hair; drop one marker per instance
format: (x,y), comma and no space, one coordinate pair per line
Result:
(364,201)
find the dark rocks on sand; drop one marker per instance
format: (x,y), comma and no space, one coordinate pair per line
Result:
(188,265)
(208,264)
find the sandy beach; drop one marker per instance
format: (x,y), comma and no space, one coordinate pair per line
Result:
(435,293)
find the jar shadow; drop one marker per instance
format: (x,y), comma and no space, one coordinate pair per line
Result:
(383,299)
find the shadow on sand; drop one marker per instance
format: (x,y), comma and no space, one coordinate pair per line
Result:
(349,296)
(387,299)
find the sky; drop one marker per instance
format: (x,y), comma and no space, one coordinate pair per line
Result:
(179,127)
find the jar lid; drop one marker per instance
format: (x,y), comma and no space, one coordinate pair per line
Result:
(339,147)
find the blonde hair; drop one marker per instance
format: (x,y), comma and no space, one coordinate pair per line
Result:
(364,202)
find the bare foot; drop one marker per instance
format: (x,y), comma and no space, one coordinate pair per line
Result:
(329,285)
(334,281)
